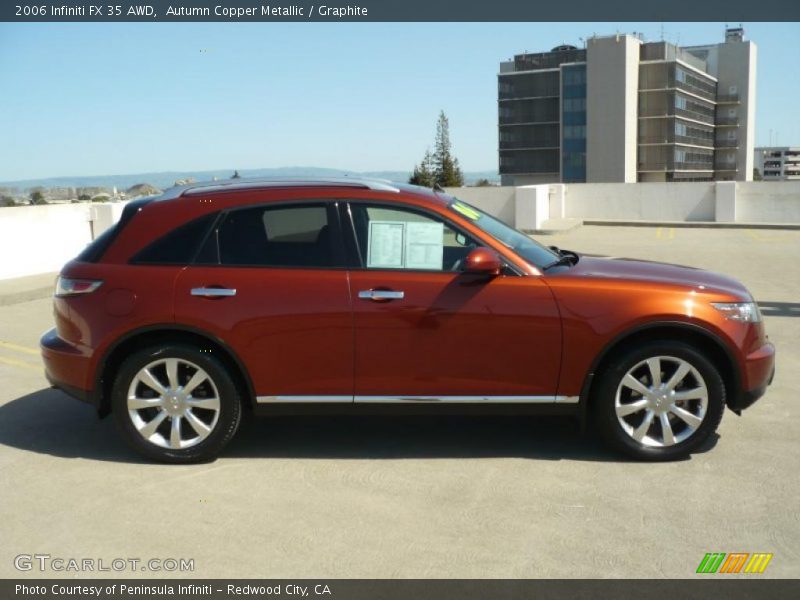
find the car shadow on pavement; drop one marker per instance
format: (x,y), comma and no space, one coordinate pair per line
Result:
(49,422)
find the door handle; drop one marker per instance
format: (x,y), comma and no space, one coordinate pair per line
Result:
(213,292)
(379,295)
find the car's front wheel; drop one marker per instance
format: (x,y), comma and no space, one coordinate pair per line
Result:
(175,403)
(660,401)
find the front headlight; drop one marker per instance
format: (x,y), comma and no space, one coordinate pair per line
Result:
(746,312)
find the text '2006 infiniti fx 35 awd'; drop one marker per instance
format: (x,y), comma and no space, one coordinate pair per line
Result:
(348,295)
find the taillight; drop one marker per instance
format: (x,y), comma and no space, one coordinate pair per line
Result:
(75,287)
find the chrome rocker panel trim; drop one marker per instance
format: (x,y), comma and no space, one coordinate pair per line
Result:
(418,399)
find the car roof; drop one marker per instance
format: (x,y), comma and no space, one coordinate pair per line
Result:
(381,185)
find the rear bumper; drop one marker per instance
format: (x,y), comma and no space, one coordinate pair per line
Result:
(66,367)
(759,371)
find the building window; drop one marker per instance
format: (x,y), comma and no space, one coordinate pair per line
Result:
(574,132)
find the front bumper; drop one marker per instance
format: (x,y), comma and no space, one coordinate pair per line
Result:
(65,367)
(759,372)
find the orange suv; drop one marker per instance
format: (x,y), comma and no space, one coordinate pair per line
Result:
(352,295)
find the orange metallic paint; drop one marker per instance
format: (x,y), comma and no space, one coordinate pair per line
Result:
(306,331)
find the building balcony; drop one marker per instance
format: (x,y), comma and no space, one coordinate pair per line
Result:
(705,92)
(727,121)
(673,165)
(530,145)
(726,143)
(728,99)
(670,112)
(676,139)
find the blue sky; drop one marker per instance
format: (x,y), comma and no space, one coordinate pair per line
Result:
(96,99)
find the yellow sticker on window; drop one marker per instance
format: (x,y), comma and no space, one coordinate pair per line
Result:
(467,211)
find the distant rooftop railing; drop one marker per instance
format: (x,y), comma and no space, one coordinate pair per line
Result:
(548,60)
(670,52)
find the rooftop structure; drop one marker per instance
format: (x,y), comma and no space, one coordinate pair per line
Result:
(623,110)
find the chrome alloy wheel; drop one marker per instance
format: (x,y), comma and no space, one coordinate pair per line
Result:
(661,401)
(173,403)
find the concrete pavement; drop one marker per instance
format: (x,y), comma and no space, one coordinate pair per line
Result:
(23,289)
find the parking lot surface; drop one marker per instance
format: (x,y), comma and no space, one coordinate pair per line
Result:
(420,497)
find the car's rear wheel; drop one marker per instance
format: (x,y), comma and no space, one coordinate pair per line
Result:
(176,404)
(660,401)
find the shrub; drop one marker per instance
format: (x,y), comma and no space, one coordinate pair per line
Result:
(37,197)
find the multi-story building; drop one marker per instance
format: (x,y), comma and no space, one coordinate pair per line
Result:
(622,110)
(778,163)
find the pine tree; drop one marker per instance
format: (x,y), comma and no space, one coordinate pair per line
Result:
(440,168)
(423,172)
(446,169)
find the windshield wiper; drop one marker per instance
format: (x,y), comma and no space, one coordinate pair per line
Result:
(565,257)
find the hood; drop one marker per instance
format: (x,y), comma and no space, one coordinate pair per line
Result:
(655,272)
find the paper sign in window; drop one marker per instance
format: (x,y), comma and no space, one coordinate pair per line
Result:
(424,245)
(386,244)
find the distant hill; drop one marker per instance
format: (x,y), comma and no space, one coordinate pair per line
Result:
(166,179)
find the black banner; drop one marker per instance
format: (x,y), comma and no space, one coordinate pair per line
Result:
(714,586)
(398,10)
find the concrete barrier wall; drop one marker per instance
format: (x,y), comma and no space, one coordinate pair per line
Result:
(497,201)
(40,239)
(768,202)
(689,201)
(740,202)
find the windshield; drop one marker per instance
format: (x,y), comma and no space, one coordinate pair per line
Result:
(530,250)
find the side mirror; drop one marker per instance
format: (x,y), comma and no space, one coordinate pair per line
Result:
(483,261)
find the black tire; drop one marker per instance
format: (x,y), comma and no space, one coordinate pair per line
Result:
(223,425)
(604,398)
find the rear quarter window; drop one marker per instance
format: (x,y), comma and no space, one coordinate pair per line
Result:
(179,246)
(96,249)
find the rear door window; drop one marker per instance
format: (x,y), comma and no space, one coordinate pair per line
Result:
(303,236)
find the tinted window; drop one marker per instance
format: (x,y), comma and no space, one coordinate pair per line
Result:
(526,247)
(392,238)
(179,246)
(95,250)
(284,236)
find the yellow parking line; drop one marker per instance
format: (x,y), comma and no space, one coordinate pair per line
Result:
(18,348)
(671,233)
(771,237)
(658,233)
(19,363)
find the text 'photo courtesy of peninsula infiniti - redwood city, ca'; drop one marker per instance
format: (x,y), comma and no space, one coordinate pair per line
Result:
(349,295)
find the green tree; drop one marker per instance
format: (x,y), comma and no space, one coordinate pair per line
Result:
(37,197)
(446,169)
(482,183)
(7,201)
(423,172)
(441,166)
(757,175)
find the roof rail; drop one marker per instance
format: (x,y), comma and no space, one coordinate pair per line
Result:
(190,189)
